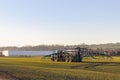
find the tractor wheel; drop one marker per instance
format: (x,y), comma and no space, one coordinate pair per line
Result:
(66,60)
(55,59)
(70,59)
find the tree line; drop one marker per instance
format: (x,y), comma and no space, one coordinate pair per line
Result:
(56,47)
(114,47)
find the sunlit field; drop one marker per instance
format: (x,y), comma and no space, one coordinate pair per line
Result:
(42,68)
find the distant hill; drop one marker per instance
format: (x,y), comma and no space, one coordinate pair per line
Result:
(55,47)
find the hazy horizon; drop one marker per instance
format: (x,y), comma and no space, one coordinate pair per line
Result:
(57,44)
(64,22)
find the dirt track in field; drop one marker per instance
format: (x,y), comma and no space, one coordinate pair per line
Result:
(6,76)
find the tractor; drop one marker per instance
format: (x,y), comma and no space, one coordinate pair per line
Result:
(77,54)
(69,55)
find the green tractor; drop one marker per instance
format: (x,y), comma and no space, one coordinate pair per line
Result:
(71,55)
(77,54)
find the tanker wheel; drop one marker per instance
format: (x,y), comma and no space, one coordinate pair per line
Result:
(80,60)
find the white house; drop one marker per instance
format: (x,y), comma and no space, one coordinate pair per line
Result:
(26,53)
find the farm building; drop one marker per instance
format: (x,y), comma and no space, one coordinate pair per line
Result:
(25,53)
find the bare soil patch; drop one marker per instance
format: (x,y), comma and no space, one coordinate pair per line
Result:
(6,76)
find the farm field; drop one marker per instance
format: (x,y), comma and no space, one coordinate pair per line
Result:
(42,68)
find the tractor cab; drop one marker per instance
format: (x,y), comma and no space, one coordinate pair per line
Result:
(68,55)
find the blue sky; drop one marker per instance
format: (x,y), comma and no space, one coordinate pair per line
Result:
(34,22)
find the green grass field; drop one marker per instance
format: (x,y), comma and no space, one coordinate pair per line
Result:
(41,68)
